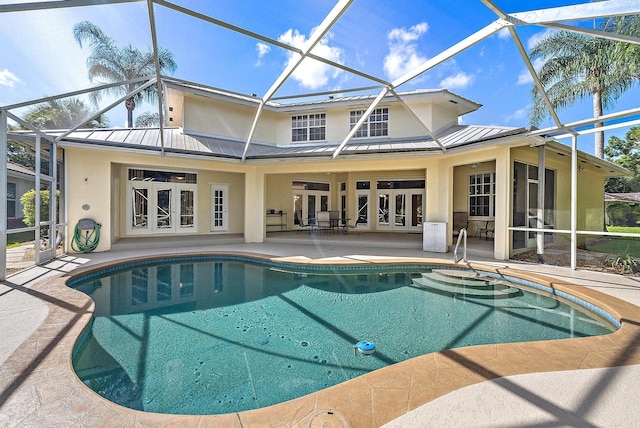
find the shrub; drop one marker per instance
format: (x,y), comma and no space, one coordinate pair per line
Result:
(623,261)
(28,200)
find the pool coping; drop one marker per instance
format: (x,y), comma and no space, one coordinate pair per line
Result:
(38,385)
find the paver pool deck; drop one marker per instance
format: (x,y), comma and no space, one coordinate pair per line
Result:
(589,382)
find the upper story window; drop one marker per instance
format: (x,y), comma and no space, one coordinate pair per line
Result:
(308,127)
(376,125)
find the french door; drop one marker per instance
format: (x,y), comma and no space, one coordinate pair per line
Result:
(400,209)
(526,189)
(219,208)
(308,203)
(161,208)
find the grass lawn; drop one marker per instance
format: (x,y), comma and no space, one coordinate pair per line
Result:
(618,244)
(623,229)
(16,239)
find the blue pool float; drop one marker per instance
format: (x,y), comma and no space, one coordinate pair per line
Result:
(364,347)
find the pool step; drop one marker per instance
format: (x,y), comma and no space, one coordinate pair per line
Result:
(466,283)
(466,278)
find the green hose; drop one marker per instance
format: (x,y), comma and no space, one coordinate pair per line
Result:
(88,241)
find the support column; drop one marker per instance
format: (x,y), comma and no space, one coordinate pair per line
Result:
(540,213)
(439,191)
(3,200)
(504,187)
(254,208)
(574,201)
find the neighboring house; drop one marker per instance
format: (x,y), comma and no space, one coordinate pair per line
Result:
(19,181)
(411,162)
(630,199)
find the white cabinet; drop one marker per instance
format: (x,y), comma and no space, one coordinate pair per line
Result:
(434,236)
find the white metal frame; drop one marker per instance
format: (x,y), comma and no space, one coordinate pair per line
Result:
(556,18)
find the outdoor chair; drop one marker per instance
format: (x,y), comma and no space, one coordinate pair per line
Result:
(334,217)
(302,225)
(460,221)
(323,219)
(485,227)
(346,226)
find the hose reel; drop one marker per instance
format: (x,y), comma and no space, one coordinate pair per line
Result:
(86,235)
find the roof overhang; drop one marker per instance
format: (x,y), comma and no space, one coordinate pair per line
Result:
(608,168)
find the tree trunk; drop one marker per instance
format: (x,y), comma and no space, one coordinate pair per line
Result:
(598,137)
(130,104)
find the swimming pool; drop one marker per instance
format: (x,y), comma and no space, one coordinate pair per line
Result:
(225,334)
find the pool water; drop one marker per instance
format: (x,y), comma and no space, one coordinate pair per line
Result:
(224,335)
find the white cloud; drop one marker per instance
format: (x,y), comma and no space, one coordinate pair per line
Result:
(531,41)
(524,77)
(516,115)
(313,74)
(504,33)
(7,78)
(403,36)
(403,53)
(458,81)
(262,49)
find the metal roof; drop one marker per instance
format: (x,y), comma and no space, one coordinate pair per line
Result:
(177,141)
(622,197)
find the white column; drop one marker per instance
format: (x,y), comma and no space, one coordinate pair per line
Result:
(254,209)
(3,200)
(574,201)
(540,213)
(503,190)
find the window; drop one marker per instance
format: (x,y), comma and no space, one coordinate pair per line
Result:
(308,127)
(376,125)
(482,194)
(11,200)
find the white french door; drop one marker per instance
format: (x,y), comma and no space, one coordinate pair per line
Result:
(161,208)
(219,208)
(400,209)
(308,203)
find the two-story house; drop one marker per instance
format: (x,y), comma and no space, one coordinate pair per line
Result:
(228,165)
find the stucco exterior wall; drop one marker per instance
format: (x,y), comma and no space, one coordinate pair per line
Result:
(257,187)
(434,116)
(214,117)
(105,188)
(210,116)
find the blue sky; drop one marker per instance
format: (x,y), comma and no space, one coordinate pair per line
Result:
(382,38)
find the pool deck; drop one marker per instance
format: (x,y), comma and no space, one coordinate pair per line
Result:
(590,382)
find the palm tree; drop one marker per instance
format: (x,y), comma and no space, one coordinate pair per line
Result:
(112,64)
(63,114)
(147,120)
(577,66)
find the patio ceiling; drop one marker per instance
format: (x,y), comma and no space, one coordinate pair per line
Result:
(331,22)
